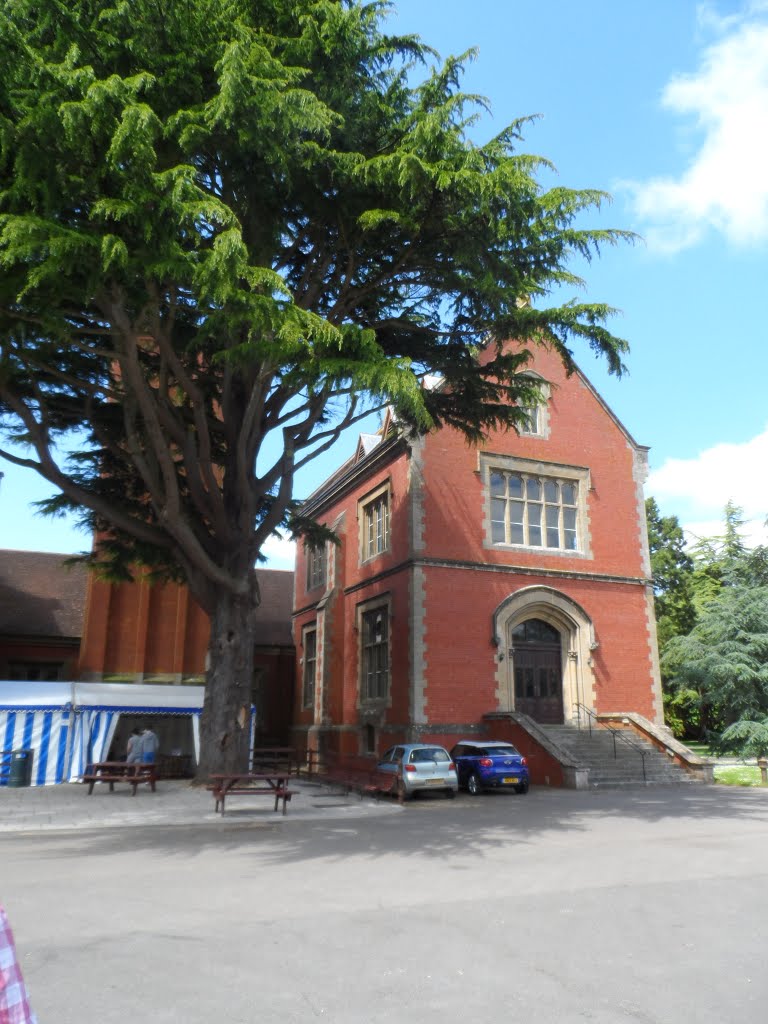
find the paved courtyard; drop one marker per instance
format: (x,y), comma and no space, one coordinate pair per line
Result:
(637,906)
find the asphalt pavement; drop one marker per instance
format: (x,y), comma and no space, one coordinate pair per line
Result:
(648,905)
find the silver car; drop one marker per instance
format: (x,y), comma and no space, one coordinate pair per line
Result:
(420,767)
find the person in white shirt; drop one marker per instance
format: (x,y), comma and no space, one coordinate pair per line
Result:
(133,749)
(149,746)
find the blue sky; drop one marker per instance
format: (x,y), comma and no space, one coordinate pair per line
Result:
(664,104)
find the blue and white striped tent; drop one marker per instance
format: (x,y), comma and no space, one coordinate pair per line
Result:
(98,707)
(68,725)
(39,717)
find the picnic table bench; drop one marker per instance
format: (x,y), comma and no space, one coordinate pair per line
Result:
(250,784)
(119,771)
(175,766)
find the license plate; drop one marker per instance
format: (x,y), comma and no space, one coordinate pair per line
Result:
(433,782)
(511,781)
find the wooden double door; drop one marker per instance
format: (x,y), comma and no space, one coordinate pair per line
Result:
(536,654)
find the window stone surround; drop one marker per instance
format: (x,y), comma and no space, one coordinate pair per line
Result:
(580,475)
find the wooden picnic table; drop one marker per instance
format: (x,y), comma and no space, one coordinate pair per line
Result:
(251,784)
(120,771)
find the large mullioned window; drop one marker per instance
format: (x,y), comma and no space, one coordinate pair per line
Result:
(535,511)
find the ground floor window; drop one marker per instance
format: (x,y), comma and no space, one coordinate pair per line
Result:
(36,671)
(374,683)
(310,665)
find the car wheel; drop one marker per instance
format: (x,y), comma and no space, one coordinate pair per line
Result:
(450,794)
(473,785)
(402,792)
(522,788)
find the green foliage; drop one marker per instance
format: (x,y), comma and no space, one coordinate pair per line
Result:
(711,620)
(724,659)
(747,738)
(682,709)
(230,230)
(726,560)
(671,569)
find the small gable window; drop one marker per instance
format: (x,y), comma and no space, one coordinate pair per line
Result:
(374,524)
(536,413)
(532,419)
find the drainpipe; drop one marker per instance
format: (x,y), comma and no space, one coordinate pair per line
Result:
(574,657)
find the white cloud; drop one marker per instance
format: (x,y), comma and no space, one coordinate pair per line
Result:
(697,490)
(724,186)
(280,553)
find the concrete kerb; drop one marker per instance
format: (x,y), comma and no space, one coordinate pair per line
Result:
(69,807)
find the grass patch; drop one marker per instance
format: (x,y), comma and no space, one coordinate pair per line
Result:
(700,748)
(738,775)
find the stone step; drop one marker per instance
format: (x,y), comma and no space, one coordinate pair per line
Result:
(613,762)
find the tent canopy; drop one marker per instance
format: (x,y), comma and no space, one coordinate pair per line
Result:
(68,725)
(140,698)
(26,696)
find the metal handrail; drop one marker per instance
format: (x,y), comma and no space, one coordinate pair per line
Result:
(614,733)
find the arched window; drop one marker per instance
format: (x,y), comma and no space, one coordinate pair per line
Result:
(534,631)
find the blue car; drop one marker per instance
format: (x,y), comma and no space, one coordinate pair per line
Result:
(490,764)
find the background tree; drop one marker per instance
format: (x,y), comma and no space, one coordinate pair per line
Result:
(671,568)
(719,560)
(229,230)
(672,571)
(716,674)
(725,660)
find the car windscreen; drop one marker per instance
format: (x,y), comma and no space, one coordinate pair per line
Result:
(429,754)
(499,751)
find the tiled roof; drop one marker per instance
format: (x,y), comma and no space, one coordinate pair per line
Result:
(273,616)
(40,596)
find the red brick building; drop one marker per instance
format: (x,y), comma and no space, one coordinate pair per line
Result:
(59,622)
(509,579)
(157,633)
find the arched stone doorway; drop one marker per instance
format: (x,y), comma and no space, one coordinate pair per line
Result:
(535,653)
(545,641)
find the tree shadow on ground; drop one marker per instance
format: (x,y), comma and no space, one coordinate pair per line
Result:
(429,827)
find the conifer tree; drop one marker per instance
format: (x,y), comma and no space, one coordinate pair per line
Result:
(717,673)
(228,230)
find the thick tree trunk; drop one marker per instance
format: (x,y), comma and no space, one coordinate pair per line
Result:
(226,720)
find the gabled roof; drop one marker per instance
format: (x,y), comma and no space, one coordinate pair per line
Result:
(608,410)
(373,449)
(366,444)
(40,596)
